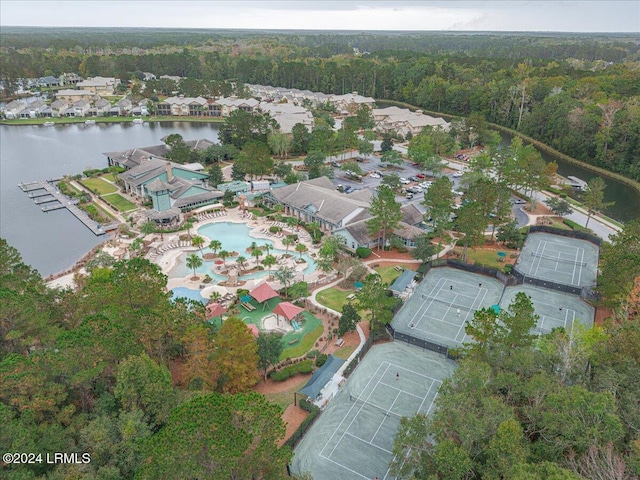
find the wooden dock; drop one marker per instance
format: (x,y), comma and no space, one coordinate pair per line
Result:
(44,192)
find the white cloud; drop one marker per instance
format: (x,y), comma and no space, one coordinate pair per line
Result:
(539,15)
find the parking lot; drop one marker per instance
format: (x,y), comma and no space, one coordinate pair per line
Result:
(372,164)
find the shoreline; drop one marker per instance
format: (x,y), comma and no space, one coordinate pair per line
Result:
(82,120)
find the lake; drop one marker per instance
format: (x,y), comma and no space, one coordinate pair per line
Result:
(52,242)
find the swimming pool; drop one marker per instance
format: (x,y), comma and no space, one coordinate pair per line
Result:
(189,293)
(234,238)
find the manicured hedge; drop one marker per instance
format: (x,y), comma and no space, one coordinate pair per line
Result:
(293,440)
(306,366)
(363,252)
(321,360)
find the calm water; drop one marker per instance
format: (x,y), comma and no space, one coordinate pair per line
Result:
(234,238)
(51,242)
(627,200)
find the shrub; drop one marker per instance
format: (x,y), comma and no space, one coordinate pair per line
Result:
(321,360)
(306,405)
(304,426)
(313,353)
(274,229)
(574,225)
(508,268)
(305,366)
(363,252)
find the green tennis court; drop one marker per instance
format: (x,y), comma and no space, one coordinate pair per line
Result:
(353,438)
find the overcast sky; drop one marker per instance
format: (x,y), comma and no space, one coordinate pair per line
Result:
(505,15)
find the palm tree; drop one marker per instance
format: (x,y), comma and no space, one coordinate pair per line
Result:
(241,261)
(267,248)
(148,227)
(256,252)
(301,247)
(215,296)
(193,262)
(215,245)
(269,261)
(197,241)
(287,241)
(253,246)
(224,254)
(135,246)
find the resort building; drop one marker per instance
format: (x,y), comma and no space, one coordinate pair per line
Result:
(171,187)
(342,214)
(182,106)
(229,105)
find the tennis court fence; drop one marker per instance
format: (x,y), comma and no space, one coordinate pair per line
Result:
(548,284)
(422,343)
(567,233)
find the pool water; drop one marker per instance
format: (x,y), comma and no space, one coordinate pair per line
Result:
(234,237)
(189,293)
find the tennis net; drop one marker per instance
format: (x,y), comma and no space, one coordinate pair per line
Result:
(558,259)
(373,406)
(449,304)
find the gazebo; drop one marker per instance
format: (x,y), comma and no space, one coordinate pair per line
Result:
(288,310)
(263,293)
(214,310)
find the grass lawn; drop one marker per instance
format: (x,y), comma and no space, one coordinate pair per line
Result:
(484,256)
(303,346)
(334,298)
(285,398)
(344,352)
(389,273)
(119,202)
(99,185)
(109,177)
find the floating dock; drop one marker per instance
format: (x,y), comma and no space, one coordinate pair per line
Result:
(43,192)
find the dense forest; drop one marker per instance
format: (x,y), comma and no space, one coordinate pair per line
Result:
(580,95)
(88,373)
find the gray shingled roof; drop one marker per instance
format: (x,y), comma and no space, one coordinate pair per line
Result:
(359,232)
(157,185)
(329,204)
(411,214)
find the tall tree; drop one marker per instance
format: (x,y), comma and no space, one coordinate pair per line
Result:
(215,175)
(279,143)
(255,160)
(285,275)
(270,347)
(348,320)
(439,201)
(386,214)
(236,356)
(194,262)
(593,198)
(300,140)
(219,436)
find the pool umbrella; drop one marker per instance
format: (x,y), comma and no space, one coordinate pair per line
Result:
(288,310)
(495,308)
(214,310)
(245,298)
(357,284)
(262,293)
(502,256)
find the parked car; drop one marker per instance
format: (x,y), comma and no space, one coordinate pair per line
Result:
(421,175)
(414,179)
(458,174)
(360,159)
(374,175)
(340,188)
(335,164)
(348,189)
(404,181)
(409,195)
(415,164)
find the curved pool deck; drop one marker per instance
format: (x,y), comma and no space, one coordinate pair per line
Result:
(169,262)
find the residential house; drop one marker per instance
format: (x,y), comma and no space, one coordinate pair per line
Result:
(182,106)
(48,81)
(287,115)
(100,108)
(58,107)
(349,103)
(403,121)
(70,79)
(100,85)
(148,76)
(121,108)
(12,109)
(79,108)
(74,95)
(228,105)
